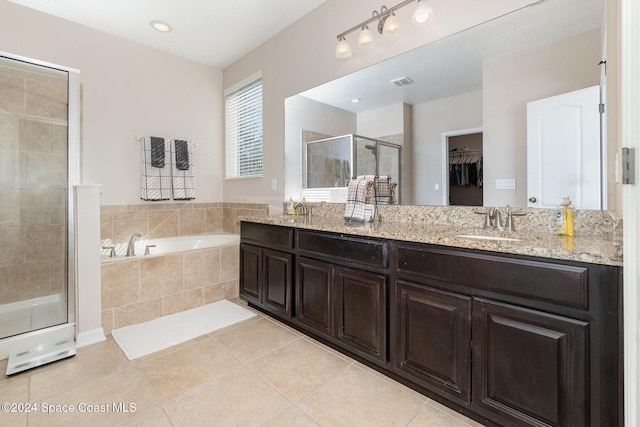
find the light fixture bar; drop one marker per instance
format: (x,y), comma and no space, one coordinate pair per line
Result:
(376,17)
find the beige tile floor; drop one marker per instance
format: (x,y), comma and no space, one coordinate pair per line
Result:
(256,373)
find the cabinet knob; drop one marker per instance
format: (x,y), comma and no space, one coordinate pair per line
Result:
(532,199)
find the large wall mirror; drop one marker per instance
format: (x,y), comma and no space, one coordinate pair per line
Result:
(460,108)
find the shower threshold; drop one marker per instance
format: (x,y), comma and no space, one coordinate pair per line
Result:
(33,314)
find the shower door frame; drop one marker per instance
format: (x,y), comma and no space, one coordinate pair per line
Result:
(34,337)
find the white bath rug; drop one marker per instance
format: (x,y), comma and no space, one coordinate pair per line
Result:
(148,337)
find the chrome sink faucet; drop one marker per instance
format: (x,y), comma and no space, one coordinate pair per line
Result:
(131,247)
(304,210)
(493,219)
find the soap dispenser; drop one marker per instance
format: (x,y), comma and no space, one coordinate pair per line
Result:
(291,206)
(564,218)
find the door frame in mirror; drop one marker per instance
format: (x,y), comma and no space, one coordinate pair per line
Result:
(445,157)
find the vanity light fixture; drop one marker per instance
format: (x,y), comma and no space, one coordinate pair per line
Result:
(422,13)
(388,24)
(366,38)
(391,25)
(161,26)
(343,49)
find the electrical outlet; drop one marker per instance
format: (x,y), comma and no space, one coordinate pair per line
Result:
(506,184)
(436,186)
(274,184)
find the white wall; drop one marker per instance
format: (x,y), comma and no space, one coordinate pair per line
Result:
(430,120)
(388,120)
(302,56)
(128,89)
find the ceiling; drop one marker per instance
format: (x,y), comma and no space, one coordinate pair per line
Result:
(453,65)
(213,32)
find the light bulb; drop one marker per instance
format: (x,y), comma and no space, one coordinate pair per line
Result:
(366,38)
(422,13)
(161,26)
(343,49)
(391,25)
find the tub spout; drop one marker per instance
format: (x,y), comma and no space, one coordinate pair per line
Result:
(131,247)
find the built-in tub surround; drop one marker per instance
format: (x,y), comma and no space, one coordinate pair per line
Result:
(145,287)
(598,235)
(155,220)
(166,245)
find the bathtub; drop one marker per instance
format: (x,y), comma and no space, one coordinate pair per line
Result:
(179,273)
(169,245)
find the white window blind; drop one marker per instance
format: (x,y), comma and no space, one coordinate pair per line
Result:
(243,134)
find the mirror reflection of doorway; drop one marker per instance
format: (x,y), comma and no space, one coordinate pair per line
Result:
(465,171)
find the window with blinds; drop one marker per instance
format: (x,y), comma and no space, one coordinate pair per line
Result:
(243,130)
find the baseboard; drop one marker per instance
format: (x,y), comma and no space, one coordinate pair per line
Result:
(90,337)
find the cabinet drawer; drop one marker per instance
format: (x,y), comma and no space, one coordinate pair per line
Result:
(269,235)
(362,251)
(558,284)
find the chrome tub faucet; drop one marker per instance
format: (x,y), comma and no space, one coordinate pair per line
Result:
(131,247)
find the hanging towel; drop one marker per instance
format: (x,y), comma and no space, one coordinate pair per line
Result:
(157,152)
(155,182)
(182,155)
(370,192)
(360,200)
(183,183)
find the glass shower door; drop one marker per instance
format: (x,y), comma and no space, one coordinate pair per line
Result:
(34,200)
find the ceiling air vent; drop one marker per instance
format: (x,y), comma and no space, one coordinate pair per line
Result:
(402,81)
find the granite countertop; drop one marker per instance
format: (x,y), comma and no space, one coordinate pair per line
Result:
(596,249)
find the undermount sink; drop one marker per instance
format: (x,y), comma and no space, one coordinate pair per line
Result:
(482,237)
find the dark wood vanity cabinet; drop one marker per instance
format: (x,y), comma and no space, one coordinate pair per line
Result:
(508,340)
(343,304)
(341,291)
(433,339)
(530,367)
(519,341)
(251,274)
(314,295)
(360,312)
(266,274)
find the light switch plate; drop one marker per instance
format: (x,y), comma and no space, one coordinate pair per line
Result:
(506,184)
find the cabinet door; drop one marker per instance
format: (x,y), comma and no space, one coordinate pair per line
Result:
(277,282)
(529,367)
(314,293)
(433,341)
(360,312)
(251,273)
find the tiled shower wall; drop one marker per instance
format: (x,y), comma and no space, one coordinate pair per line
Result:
(143,289)
(33,161)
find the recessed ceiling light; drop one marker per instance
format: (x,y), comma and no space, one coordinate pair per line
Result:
(355,100)
(161,26)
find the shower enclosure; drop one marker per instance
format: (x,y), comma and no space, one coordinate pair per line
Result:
(330,163)
(39,128)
